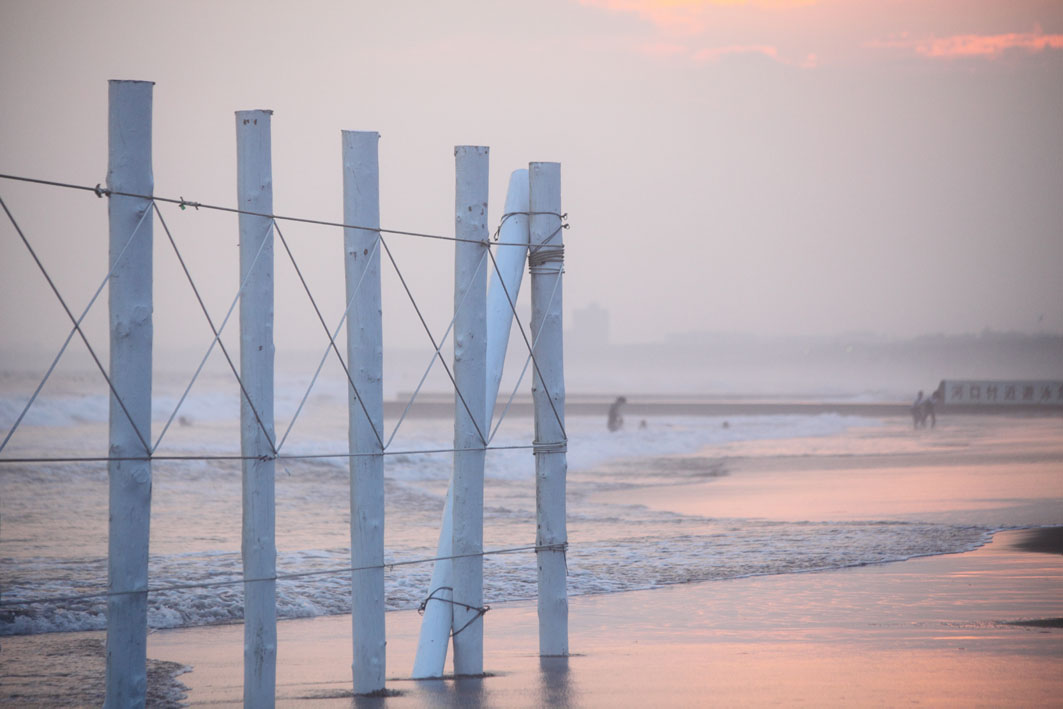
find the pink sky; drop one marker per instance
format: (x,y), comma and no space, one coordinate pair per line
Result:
(769,166)
(812,32)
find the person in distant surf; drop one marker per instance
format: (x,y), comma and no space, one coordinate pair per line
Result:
(923,410)
(616,420)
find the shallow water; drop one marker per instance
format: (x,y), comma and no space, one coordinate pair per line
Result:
(54,535)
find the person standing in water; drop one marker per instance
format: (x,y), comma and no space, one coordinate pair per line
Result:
(917,410)
(616,420)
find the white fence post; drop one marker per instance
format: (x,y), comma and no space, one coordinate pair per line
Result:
(365,359)
(470,354)
(546,260)
(130,295)
(438,615)
(255,193)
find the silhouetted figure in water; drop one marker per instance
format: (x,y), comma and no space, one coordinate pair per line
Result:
(928,407)
(922,410)
(616,421)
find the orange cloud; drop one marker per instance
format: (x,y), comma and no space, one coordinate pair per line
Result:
(973,45)
(664,49)
(715,53)
(685,16)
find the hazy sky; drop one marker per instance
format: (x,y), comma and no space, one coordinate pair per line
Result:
(888,166)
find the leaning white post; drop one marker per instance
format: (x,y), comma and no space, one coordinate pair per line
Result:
(470,354)
(505,282)
(254,180)
(129,170)
(438,615)
(361,206)
(546,261)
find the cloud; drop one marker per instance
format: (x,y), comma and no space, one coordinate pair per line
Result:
(686,17)
(704,31)
(664,49)
(714,53)
(813,33)
(667,50)
(972,45)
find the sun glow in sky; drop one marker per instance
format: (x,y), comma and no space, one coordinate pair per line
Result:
(767,166)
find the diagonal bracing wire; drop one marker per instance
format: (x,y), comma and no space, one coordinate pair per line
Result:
(73,331)
(332,344)
(77,323)
(437,347)
(324,356)
(524,370)
(100,192)
(529,345)
(217,335)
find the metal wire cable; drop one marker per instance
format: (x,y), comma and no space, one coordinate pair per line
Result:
(531,349)
(294,456)
(328,348)
(70,335)
(508,215)
(332,342)
(562,546)
(183,203)
(431,338)
(100,191)
(77,325)
(217,336)
(478,611)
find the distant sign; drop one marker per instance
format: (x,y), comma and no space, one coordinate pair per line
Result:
(964,392)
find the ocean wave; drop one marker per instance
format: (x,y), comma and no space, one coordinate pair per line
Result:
(731,549)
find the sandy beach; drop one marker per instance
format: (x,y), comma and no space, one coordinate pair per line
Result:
(981,628)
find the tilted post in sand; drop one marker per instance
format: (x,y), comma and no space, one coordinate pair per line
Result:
(130,295)
(365,361)
(470,438)
(254,179)
(546,261)
(501,298)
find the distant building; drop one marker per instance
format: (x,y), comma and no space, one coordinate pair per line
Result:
(1015,393)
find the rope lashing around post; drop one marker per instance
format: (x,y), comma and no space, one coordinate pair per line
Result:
(549,447)
(480,612)
(546,253)
(540,257)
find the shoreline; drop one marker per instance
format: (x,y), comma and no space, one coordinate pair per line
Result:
(962,628)
(952,629)
(428,406)
(684,643)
